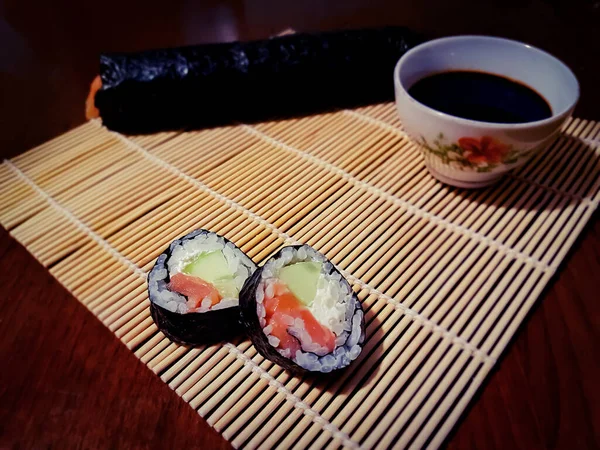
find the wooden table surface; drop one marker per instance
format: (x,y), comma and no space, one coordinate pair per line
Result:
(67,382)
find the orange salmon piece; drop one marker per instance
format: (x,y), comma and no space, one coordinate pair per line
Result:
(318,333)
(285,303)
(195,289)
(286,340)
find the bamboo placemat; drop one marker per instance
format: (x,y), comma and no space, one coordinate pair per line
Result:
(445,275)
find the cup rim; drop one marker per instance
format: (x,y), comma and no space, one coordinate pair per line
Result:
(480,123)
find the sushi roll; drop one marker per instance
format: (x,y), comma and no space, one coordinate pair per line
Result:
(301,313)
(194,288)
(284,76)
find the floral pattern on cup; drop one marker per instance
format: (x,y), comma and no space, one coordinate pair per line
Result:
(480,154)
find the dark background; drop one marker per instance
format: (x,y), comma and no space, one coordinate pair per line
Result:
(67,382)
(49,49)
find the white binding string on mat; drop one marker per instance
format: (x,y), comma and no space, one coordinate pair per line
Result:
(409,207)
(414,315)
(78,223)
(386,126)
(280,387)
(294,399)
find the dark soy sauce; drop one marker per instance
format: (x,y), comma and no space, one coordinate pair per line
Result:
(481,96)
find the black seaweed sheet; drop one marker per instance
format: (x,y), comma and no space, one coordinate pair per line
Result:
(251,323)
(213,84)
(198,328)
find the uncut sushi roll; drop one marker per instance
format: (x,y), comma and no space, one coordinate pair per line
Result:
(300,312)
(296,74)
(194,288)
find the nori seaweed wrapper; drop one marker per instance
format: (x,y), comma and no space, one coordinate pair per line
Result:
(191,87)
(198,328)
(251,323)
(195,328)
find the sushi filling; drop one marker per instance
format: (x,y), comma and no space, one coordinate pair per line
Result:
(307,310)
(200,272)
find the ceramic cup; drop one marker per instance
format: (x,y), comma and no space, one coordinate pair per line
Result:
(469,153)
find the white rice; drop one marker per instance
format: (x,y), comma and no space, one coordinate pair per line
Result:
(334,306)
(184,251)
